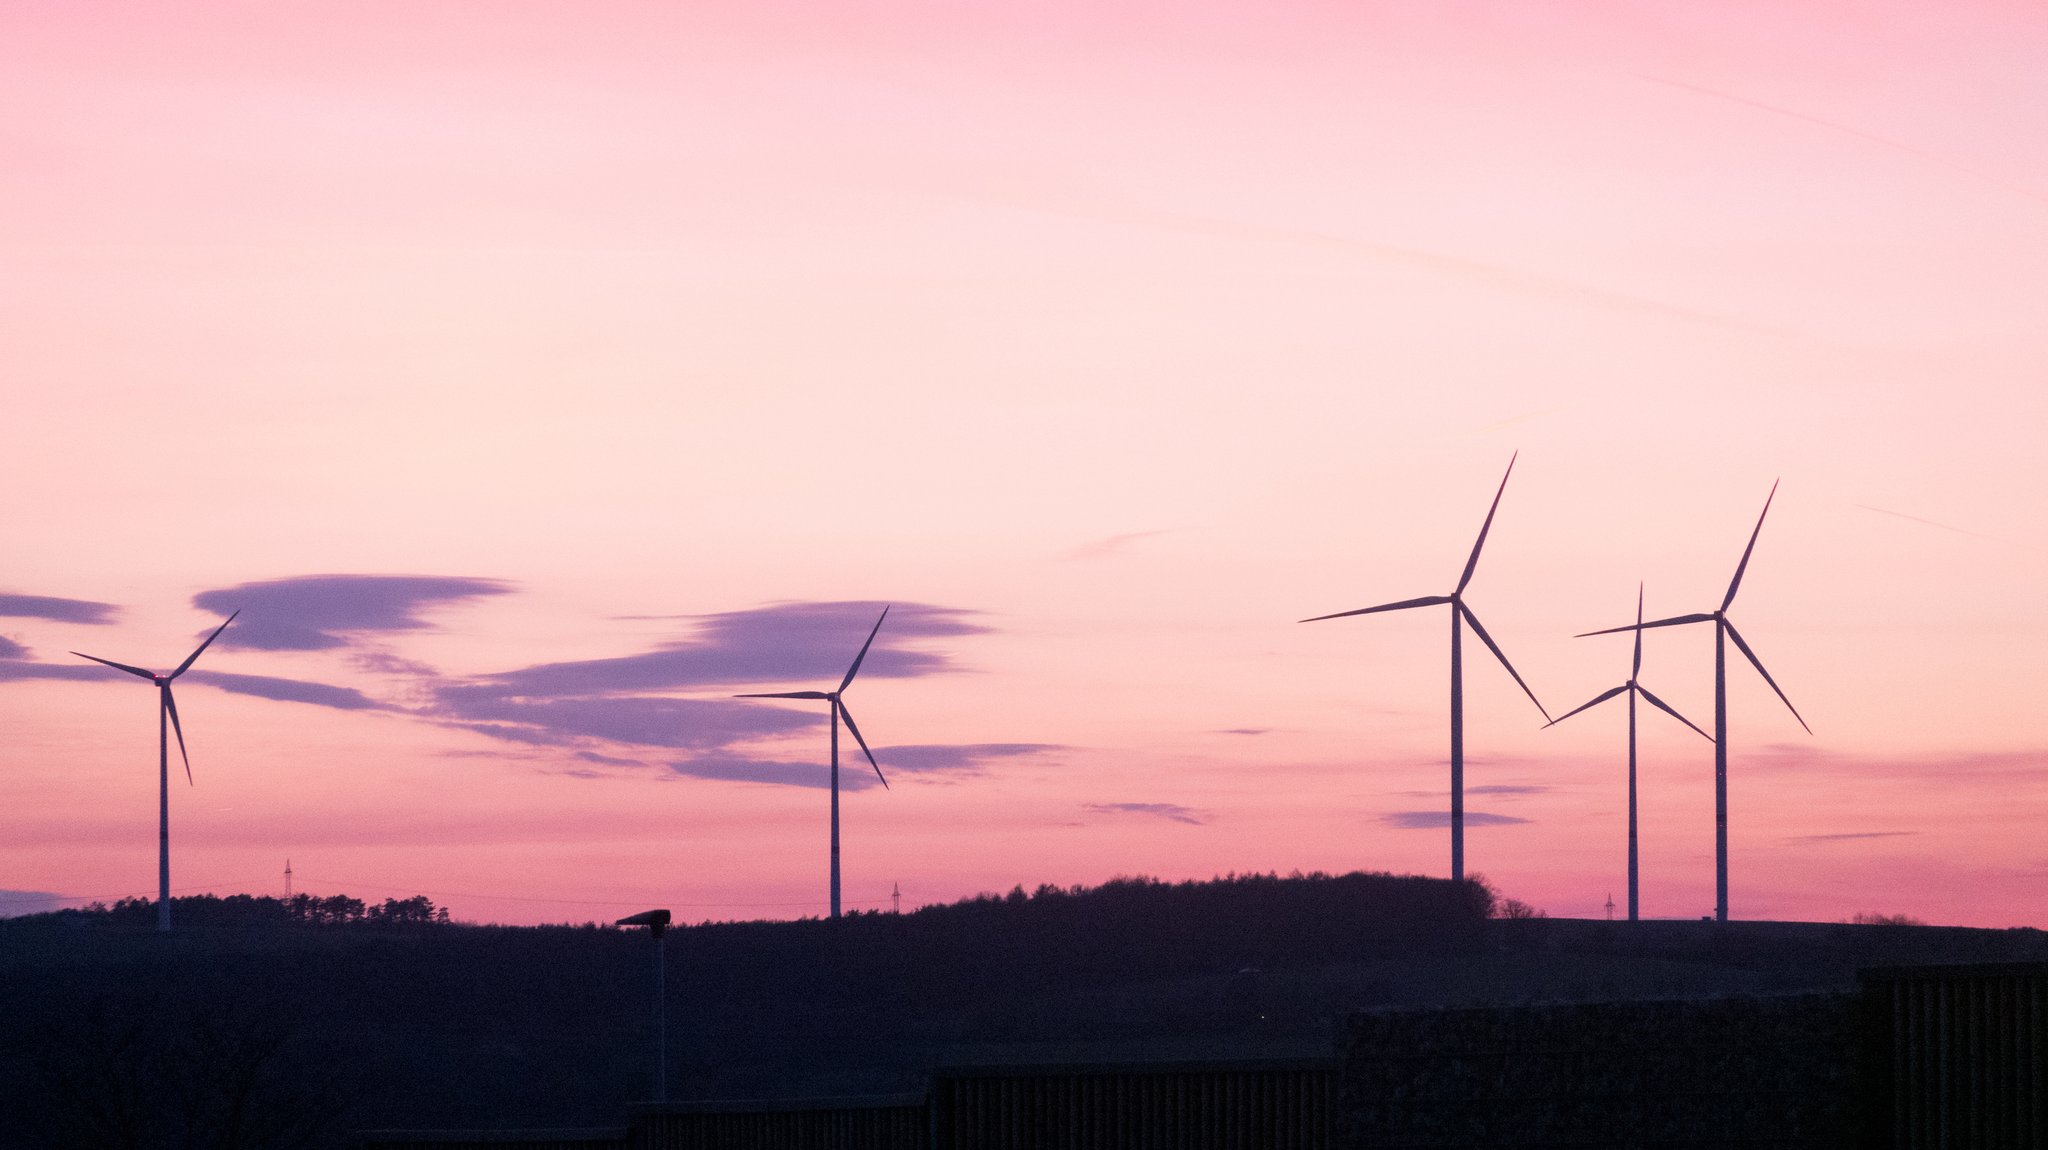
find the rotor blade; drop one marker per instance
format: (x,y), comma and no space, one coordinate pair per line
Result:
(202,647)
(1597,700)
(855,669)
(1495,648)
(171,706)
(150,675)
(1737,581)
(788,695)
(1488,525)
(848,716)
(1674,621)
(1636,668)
(1759,665)
(1671,711)
(1425,601)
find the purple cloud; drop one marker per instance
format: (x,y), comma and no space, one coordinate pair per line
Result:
(786,774)
(962,758)
(1172,812)
(19,902)
(1244,730)
(854,772)
(260,686)
(9,649)
(58,610)
(322,612)
(646,720)
(15,672)
(1435,820)
(797,645)
(619,700)
(288,690)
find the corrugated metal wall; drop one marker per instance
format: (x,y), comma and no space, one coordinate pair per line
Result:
(1943,1057)
(1962,1053)
(598,1139)
(841,1128)
(1134,1108)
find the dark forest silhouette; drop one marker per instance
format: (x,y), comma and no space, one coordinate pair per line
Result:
(277,1023)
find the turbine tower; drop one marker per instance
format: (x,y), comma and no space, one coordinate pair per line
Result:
(1460,615)
(1724,630)
(166,722)
(839,714)
(1633,688)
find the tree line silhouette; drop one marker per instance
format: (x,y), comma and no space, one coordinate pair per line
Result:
(214,912)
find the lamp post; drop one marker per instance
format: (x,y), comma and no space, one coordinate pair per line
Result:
(656,921)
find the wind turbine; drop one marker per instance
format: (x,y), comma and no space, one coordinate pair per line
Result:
(1724,629)
(1633,688)
(166,722)
(839,714)
(1460,614)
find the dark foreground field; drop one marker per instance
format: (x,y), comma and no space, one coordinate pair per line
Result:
(281,1035)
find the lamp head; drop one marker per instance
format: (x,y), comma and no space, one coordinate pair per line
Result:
(654,920)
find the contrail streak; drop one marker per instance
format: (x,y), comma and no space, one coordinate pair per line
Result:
(1930,522)
(1896,145)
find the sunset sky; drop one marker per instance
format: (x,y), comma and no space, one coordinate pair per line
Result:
(534,377)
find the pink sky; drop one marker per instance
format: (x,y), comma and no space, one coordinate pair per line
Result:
(1108,342)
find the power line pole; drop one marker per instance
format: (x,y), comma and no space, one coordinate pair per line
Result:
(895,898)
(287,880)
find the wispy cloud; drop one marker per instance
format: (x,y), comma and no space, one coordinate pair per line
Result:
(1108,545)
(1507,789)
(1939,158)
(58,610)
(1172,812)
(1244,730)
(1100,207)
(1437,820)
(1958,764)
(9,649)
(323,612)
(1848,836)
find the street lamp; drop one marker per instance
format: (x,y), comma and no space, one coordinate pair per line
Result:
(656,921)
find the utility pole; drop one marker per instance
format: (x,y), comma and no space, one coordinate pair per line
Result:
(895,898)
(287,880)
(656,921)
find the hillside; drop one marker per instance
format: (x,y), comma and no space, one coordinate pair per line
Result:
(292,1033)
